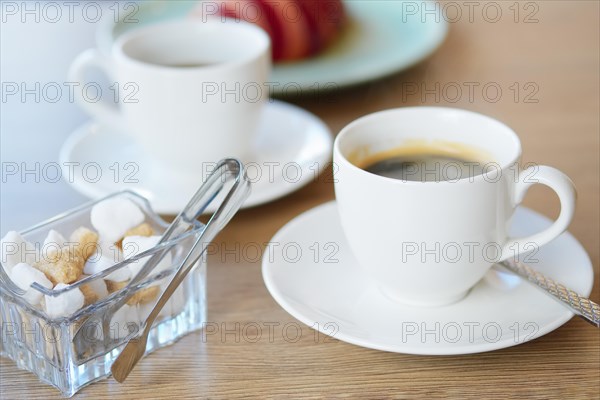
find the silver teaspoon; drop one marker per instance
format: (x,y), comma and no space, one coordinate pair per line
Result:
(580,306)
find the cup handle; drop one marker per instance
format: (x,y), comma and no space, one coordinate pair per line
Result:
(99,110)
(563,187)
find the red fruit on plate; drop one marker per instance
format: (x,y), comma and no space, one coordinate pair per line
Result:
(293,30)
(248,10)
(297,28)
(326,18)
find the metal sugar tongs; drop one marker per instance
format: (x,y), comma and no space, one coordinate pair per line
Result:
(228,170)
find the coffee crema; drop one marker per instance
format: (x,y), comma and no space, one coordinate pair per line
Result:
(426,162)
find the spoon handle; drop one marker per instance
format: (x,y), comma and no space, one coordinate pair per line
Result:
(581,306)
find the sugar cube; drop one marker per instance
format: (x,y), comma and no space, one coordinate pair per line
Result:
(113,217)
(99,262)
(14,250)
(134,245)
(54,241)
(24,275)
(65,304)
(124,321)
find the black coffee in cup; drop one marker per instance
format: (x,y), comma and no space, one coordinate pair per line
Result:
(425,164)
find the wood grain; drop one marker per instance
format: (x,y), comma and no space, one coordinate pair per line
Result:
(559,55)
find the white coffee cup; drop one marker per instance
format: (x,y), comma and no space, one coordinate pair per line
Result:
(191,91)
(428,243)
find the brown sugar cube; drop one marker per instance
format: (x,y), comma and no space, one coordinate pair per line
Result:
(115,286)
(62,266)
(142,296)
(89,295)
(143,229)
(87,241)
(93,291)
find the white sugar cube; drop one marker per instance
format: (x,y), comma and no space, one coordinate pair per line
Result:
(123,320)
(134,245)
(110,250)
(120,275)
(98,286)
(113,217)
(53,241)
(14,250)
(24,275)
(65,304)
(98,262)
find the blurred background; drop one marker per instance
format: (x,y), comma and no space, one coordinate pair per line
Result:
(542,56)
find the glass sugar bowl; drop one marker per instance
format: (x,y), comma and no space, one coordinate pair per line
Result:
(69,352)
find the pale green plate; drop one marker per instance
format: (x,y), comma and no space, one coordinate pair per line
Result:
(381,38)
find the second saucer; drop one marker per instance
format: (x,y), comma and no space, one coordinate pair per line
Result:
(292,148)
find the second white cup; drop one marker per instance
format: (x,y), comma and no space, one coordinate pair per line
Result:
(190,92)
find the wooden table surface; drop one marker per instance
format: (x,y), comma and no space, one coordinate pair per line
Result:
(555,63)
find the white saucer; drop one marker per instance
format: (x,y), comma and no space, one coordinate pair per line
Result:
(334,295)
(292,149)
